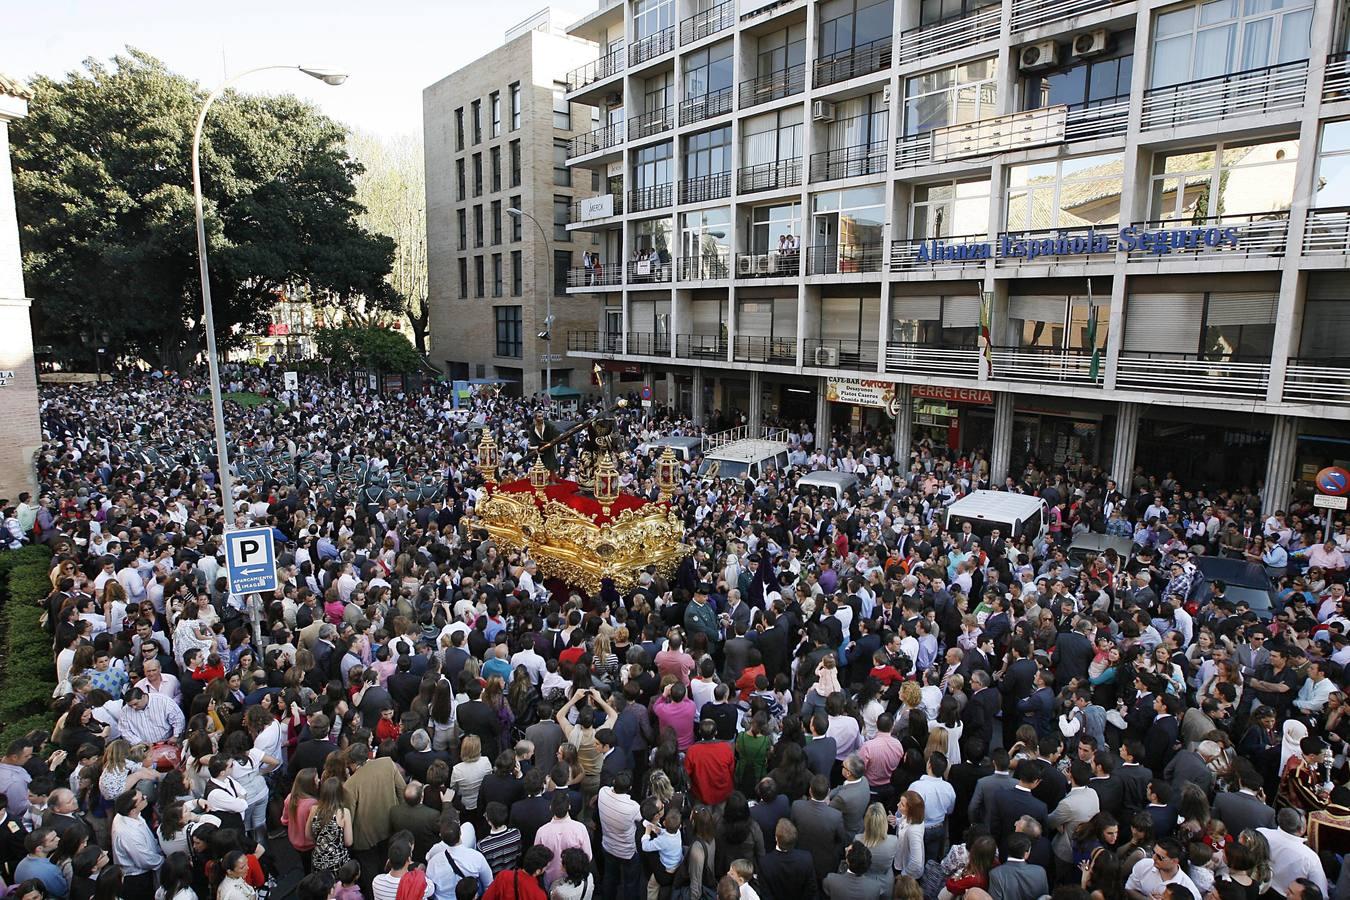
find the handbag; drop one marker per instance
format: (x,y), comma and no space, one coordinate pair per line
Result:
(164,756)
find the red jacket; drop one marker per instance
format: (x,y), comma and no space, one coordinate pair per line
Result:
(712,771)
(514,884)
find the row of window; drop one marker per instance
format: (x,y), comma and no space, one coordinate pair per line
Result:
(494,171)
(475,269)
(495,218)
(494,112)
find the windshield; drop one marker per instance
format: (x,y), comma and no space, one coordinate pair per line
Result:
(723,468)
(981,527)
(1256,598)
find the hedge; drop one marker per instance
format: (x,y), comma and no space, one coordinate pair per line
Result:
(28,676)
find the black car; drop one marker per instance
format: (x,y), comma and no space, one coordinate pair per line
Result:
(1243,580)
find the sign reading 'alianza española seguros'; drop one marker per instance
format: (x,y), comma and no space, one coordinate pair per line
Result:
(1130,239)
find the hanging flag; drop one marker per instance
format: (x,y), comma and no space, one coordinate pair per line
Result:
(986,340)
(1095,365)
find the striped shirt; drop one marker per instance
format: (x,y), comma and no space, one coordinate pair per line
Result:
(500,848)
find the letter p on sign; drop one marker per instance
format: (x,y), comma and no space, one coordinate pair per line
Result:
(250,561)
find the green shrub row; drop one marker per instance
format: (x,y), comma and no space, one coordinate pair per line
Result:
(28,676)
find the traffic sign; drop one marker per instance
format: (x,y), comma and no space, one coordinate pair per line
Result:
(1330,501)
(1333,480)
(251,561)
(646,392)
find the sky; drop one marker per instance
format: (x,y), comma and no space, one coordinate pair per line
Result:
(391,49)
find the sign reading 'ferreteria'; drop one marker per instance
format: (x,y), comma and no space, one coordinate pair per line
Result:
(860,392)
(1131,239)
(950,394)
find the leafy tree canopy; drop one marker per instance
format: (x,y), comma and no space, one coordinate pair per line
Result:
(103,184)
(374,348)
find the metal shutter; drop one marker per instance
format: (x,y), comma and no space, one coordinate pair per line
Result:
(1233,308)
(922,309)
(1163,323)
(642,317)
(1037,309)
(707,316)
(755,317)
(960,312)
(1326,329)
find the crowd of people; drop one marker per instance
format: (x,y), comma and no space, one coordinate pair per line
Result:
(832,697)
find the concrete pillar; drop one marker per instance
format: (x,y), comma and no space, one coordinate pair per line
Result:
(822,414)
(672,391)
(1280,464)
(904,427)
(1127,439)
(696,404)
(756,411)
(1000,454)
(18,372)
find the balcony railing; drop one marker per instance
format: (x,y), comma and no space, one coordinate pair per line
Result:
(1327,231)
(952,34)
(609,64)
(594,342)
(704,267)
(828,353)
(643,199)
(1191,373)
(1035,13)
(710,21)
(1255,91)
(763,349)
(925,359)
(595,141)
(1066,366)
(604,275)
(1336,82)
(1102,118)
(774,86)
(774,264)
(854,62)
(603,206)
(954,252)
(1317,380)
(652,46)
(844,259)
(1254,236)
(1049,125)
(705,187)
(649,271)
(713,103)
(701,346)
(645,343)
(770,176)
(650,123)
(850,162)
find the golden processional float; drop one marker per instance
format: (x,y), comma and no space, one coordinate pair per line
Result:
(581,532)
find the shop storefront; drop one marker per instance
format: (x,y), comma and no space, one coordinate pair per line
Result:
(861,404)
(1050,431)
(939,411)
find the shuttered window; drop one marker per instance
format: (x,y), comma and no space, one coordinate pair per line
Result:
(707,317)
(1037,309)
(1163,323)
(961,312)
(755,317)
(1241,309)
(1326,329)
(919,309)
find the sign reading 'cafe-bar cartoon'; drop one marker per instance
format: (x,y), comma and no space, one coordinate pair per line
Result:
(1130,239)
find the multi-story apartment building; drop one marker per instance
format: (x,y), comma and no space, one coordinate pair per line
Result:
(815,208)
(496,139)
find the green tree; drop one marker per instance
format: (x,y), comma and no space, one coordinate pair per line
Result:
(369,347)
(103,184)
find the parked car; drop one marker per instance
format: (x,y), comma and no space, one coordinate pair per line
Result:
(1243,581)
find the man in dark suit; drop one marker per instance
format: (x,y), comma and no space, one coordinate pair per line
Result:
(477,718)
(820,827)
(311,752)
(1162,733)
(821,750)
(1006,807)
(403,684)
(614,760)
(1038,709)
(1160,808)
(851,797)
(999,780)
(1018,682)
(1192,766)
(423,821)
(531,813)
(1134,777)
(421,756)
(786,873)
(63,812)
(1018,879)
(1072,654)
(1110,789)
(1242,809)
(981,713)
(770,807)
(1054,786)
(964,776)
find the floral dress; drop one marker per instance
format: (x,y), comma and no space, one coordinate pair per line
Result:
(329,851)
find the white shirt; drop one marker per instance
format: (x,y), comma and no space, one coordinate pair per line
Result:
(1290,859)
(618,812)
(134,846)
(168,686)
(939,798)
(533,663)
(1147,880)
(442,875)
(160,720)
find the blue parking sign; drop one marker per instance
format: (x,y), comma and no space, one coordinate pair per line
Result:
(251,561)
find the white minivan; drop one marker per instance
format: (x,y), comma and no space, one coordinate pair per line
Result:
(1014,515)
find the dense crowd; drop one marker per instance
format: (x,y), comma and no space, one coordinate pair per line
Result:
(832,697)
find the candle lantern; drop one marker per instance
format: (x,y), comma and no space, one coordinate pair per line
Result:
(538,476)
(667,471)
(606,482)
(487,458)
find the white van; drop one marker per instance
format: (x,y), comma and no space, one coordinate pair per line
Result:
(686,448)
(831,484)
(742,459)
(1014,515)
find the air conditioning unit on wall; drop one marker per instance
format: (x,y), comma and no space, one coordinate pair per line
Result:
(1090,43)
(822,111)
(1033,57)
(827,356)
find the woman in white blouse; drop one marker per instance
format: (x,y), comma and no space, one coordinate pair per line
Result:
(909,833)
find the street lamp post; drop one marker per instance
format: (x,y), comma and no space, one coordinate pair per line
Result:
(548,305)
(327,76)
